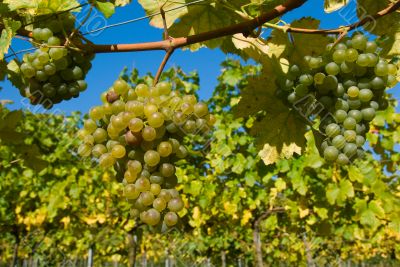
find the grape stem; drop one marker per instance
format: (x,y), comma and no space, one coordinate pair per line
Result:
(168,51)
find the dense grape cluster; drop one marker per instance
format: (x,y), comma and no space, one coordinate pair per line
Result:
(140,132)
(52,72)
(349,81)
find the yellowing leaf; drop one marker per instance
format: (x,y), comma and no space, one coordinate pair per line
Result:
(65,220)
(303,213)
(41,7)
(333,5)
(153,6)
(246,217)
(9,31)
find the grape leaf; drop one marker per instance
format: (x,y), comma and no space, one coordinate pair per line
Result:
(106,8)
(121,2)
(41,7)
(152,7)
(333,5)
(383,25)
(277,129)
(14,74)
(10,29)
(391,43)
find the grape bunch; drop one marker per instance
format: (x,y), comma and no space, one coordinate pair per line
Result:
(52,72)
(140,132)
(349,81)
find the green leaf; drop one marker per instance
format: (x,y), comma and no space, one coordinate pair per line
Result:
(383,25)
(346,189)
(9,31)
(391,42)
(333,5)
(376,207)
(107,8)
(41,7)
(12,119)
(332,193)
(14,74)
(278,131)
(368,218)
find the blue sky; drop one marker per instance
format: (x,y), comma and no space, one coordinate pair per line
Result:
(106,67)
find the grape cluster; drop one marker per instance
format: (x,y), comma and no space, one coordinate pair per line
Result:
(349,81)
(140,132)
(52,72)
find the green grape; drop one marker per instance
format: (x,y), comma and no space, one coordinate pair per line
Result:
(356,114)
(374,105)
(339,141)
(120,87)
(54,41)
(99,150)
(350,150)
(118,151)
(319,78)
(349,123)
(134,106)
(82,85)
(164,88)
(342,159)
(359,42)
(360,140)
(391,81)
(135,125)
(368,114)
(324,145)
(181,152)
(340,115)
(350,135)
(149,133)
(151,158)
(41,76)
(373,60)
(200,109)
(106,160)
(37,33)
(156,119)
(339,92)
(46,33)
(339,56)
(131,192)
(155,189)
(377,83)
(392,69)
(43,57)
(371,47)
(332,68)
(354,104)
(353,91)
(351,55)
(159,204)
(153,217)
(142,90)
(134,166)
(156,178)
(149,109)
(332,130)
(77,73)
(315,63)
(118,106)
(50,69)
(331,153)
(28,70)
(342,105)
(129,176)
(167,170)
(340,46)
(56,53)
(326,101)
(175,204)
(330,82)
(37,64)
(146,198)
(346,67)
(381,69)
(164,149)
(118,122)
(90,125)
(301,90)
(170,218)
(365,95)
(84,150)
(292,98)
(294,70)
(363,60)
(142,184)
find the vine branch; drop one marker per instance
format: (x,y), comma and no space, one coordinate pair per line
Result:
(392,7)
